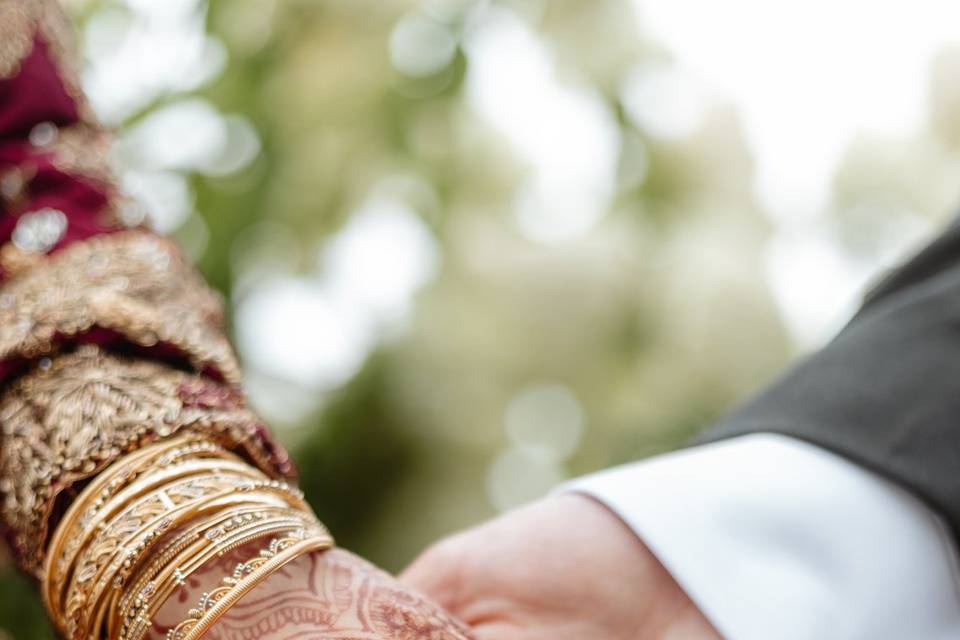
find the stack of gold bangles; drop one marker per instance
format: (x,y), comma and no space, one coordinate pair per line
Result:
(141,528)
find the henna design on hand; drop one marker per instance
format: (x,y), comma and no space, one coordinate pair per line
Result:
(332,595)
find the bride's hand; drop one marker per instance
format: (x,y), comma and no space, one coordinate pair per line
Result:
(332,595)
(565,568)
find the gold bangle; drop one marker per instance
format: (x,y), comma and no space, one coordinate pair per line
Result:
(212,528)
(68,532)
(143,521)
(151,597)
(142,613)
(107,483)
(249,583)
(102,488)
(147,603)
(109,557)
(189,489)
(131,511)
(215,604)
(129,557)
(150,520)
(93,582)
(131,492)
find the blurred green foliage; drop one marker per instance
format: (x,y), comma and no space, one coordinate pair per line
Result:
(652,323)
(400,454)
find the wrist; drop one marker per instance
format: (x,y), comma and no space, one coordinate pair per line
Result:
(137,535)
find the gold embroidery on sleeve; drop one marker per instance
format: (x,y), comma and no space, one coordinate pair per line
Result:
(18,24)
(130,282)
(70,417)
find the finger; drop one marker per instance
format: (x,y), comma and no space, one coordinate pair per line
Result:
(505,631)
(438,574)
(429,577)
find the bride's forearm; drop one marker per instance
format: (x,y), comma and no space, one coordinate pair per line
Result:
(131,467)
(333,595)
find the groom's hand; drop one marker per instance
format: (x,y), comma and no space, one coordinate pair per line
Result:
(565,568)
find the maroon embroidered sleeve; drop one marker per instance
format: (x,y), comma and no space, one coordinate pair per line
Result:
(108,338)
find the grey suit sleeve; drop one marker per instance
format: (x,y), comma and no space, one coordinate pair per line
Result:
(885,393)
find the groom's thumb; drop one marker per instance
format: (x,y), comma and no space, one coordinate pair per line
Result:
(439,573)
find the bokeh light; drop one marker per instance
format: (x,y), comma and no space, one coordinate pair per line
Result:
(471,248)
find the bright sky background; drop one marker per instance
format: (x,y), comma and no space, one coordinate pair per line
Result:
(808,75)
(806,78)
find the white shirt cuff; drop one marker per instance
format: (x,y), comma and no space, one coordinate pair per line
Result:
(775,538)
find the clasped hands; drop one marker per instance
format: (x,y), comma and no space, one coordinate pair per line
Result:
(564,568)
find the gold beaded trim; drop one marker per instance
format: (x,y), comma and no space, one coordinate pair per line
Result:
(72,416)
(82,149)
(18,22)
(133,283)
